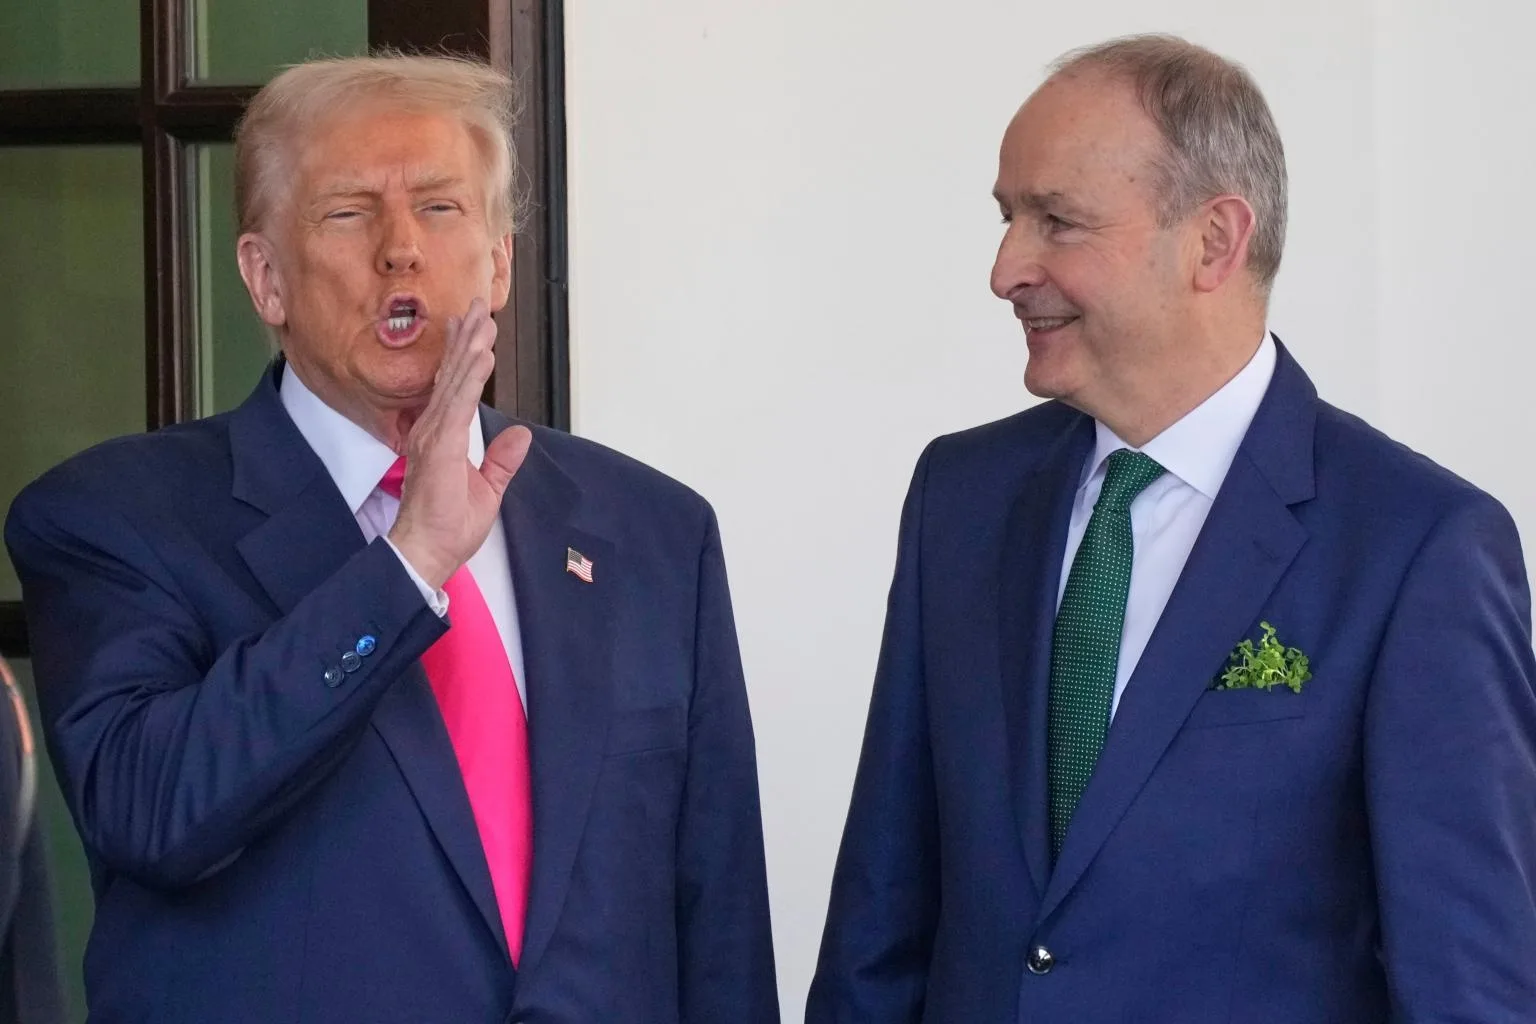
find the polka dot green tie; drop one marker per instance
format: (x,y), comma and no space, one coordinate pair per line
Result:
(1085,646)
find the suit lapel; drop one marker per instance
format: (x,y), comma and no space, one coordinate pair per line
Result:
(567,637)
(309,532)
(1032,545)
(308,535)
(1248,541)
(567,634)
(410,723)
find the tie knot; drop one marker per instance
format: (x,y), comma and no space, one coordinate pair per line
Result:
(394,477)
(1128,475)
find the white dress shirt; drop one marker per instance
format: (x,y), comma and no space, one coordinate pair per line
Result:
(357,462)
(1166,518)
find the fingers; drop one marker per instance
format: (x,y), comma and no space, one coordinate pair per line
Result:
(504,457)
(449,504)
(467,361)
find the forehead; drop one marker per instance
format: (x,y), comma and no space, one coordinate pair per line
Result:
(374,143)
(1078,133)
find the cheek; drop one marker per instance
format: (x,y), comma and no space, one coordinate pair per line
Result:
(1076,276)
(1163,263)
(474,263)
(330,291)
(1105,283)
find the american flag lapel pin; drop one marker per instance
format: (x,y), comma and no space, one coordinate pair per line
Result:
(578,565)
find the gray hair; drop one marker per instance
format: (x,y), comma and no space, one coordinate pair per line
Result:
(305,95)
(1218,131)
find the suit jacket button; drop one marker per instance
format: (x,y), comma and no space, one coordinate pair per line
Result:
(1040,960)
(333,677)
(351,661)
(366,645)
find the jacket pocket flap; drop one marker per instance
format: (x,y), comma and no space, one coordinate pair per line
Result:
(636,731)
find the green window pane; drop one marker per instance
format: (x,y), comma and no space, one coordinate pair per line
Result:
(232,343)
(72,259)
(46,44)
(73,904)
(245,42)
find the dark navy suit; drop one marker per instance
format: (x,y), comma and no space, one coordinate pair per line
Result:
(1360,852)
(278,831)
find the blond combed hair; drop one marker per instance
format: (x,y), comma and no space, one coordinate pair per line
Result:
(304,96)
(1219,135)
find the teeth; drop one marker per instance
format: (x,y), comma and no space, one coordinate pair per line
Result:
(399,324)
(1047,322)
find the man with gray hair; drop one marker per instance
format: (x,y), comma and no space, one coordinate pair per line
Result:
(369,704)
(1200,701)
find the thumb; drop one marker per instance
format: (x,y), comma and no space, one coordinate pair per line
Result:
(504,457)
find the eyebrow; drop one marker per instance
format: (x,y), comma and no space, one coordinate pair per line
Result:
(426,183)
(1035,200)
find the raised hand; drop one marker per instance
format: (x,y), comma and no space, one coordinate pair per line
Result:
(448,504)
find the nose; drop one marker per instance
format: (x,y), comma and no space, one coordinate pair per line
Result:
(398,250)
(1017,266)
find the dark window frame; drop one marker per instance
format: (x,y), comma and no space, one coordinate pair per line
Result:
(165,115)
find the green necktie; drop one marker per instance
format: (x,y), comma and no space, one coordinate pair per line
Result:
(1085,646)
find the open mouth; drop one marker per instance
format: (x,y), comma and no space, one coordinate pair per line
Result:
(403,319)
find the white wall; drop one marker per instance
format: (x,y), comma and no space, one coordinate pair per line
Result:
(781,231)
(1455,163)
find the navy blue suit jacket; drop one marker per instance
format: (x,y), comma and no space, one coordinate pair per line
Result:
(1363,851)
(267,847)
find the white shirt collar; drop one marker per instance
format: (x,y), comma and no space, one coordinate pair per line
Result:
(1199,448)
(355,458)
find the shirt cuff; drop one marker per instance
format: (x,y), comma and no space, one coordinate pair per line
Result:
(437,600)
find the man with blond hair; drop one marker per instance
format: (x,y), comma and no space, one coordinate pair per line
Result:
(369,704)
(1200,701)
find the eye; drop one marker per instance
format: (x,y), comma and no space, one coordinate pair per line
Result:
(343,214)
(1054,223)
(441,206)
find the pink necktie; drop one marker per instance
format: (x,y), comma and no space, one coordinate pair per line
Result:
(475,689)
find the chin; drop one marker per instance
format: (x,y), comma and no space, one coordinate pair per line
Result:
(1046,381)
(401,381)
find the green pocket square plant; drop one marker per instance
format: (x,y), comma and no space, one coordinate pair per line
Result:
(1265,665)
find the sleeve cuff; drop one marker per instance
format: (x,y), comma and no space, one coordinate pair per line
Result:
(437,600)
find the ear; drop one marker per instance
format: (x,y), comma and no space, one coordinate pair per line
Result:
(501,272)
(1226,229)
(258,269)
